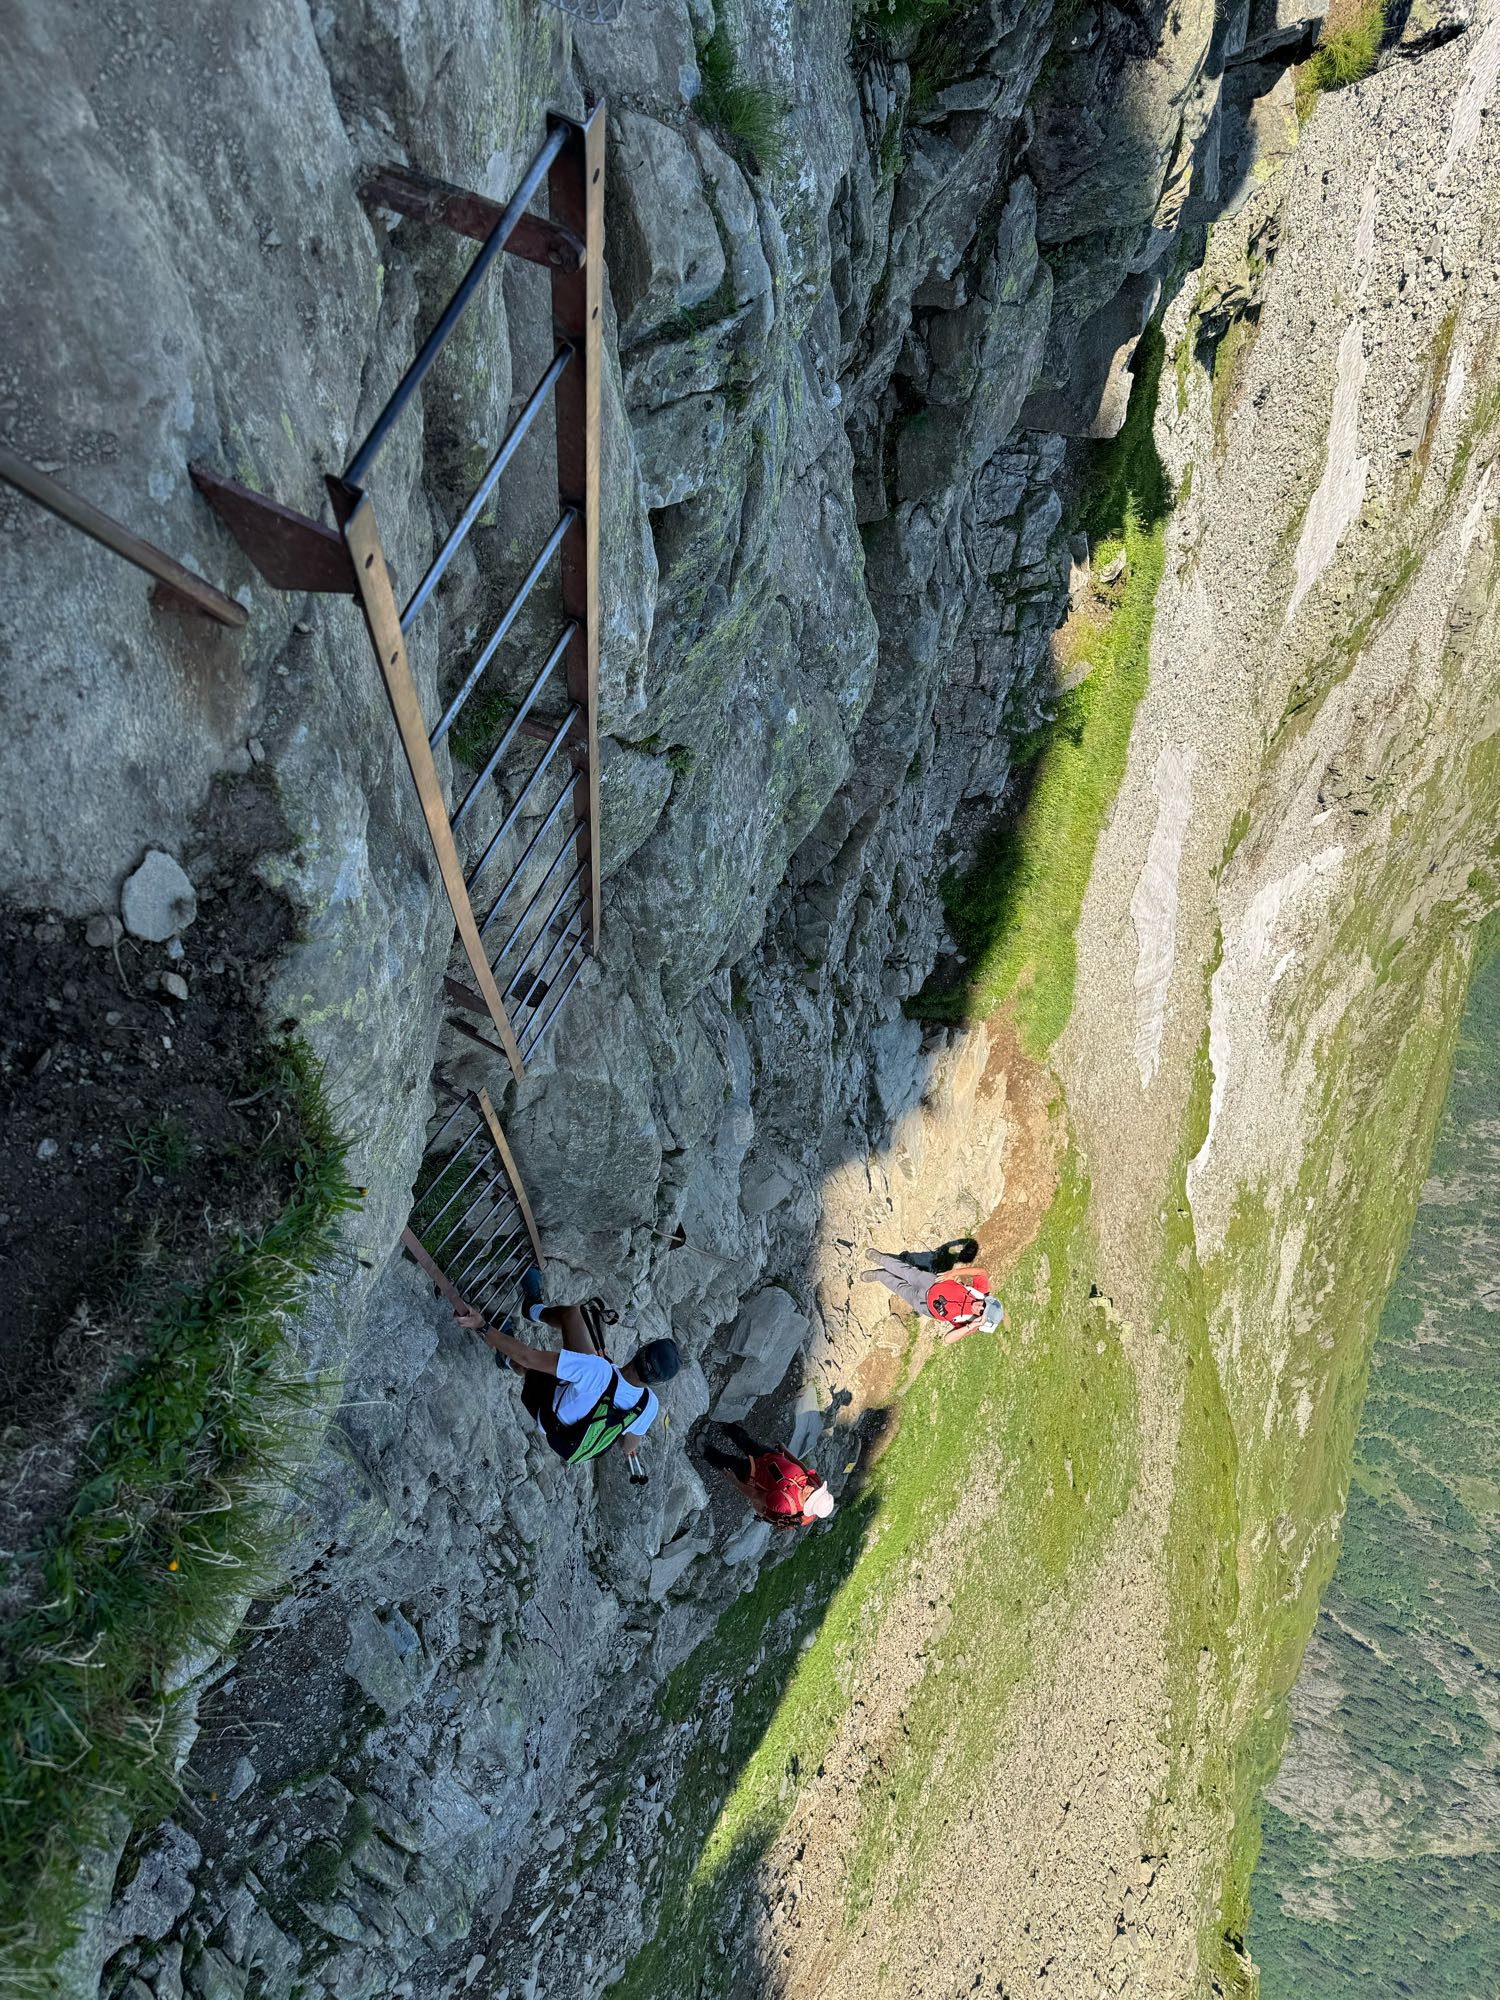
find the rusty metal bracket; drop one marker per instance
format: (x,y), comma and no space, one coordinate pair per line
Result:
(177,587)
(290,550)
(424,198)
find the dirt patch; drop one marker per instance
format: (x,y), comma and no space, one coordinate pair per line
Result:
(1028,1093)
(138,1135)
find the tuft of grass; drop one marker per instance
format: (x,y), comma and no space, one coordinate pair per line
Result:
(163,1147)
(1346,53)
(1230,357)
(1049,1412)
(172,1524)
(480,725)
(1014,913)
(742,111)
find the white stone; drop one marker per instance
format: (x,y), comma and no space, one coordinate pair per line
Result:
(158,899)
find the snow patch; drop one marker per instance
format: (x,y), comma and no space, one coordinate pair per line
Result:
(1341,491)
(1473,521)
(1453,390)
(1240,990)
(1153,906)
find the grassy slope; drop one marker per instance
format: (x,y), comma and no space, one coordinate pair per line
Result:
(788,1652)
(1415,1606)
(169,1530)
(1257,1504)
(1015,912)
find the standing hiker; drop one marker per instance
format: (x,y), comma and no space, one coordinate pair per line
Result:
(581,1401)
(964,1304)
(779,1487)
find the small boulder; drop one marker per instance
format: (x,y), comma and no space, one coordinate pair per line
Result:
(158,899)
(103,931)
(173,985)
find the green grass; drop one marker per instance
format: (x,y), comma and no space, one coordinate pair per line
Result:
(745,112)
(1483,421)
(481,723)
(1230,357)
(1022,1410)
(170,1525)
(894,17)
(1015,912)
(163,1147)
(1346,54)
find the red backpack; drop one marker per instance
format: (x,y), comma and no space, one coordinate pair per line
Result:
(952,1300)
(783,1488)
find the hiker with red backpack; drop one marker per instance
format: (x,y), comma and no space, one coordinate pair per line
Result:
(963,1303)
(780,1488)
(581,1401)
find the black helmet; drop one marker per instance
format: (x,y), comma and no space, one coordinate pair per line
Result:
(657,1361)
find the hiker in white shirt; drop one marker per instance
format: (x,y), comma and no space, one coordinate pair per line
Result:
(581,1401)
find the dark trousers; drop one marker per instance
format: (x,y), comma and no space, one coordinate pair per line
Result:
(735,1463)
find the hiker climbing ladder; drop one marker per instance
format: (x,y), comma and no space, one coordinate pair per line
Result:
(547,908)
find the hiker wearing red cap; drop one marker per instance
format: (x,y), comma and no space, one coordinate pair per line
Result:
(963,1302)
(779,1487)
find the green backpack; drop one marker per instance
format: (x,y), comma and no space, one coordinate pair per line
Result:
(586,1437)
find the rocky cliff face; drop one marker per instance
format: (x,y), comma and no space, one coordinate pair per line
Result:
(851,339)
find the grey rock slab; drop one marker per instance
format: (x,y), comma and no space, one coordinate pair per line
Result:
(677,447)
(651,58)
(749,1543)
(212,1976)
(160,1891)
(385,1657)
(241,1778)
(899,1066)
(158,900)
(767,1334)
(665,253)
(672,1564)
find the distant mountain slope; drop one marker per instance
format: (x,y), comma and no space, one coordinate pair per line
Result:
(1380,1871)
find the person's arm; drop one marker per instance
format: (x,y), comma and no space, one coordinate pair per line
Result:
(543,1360)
